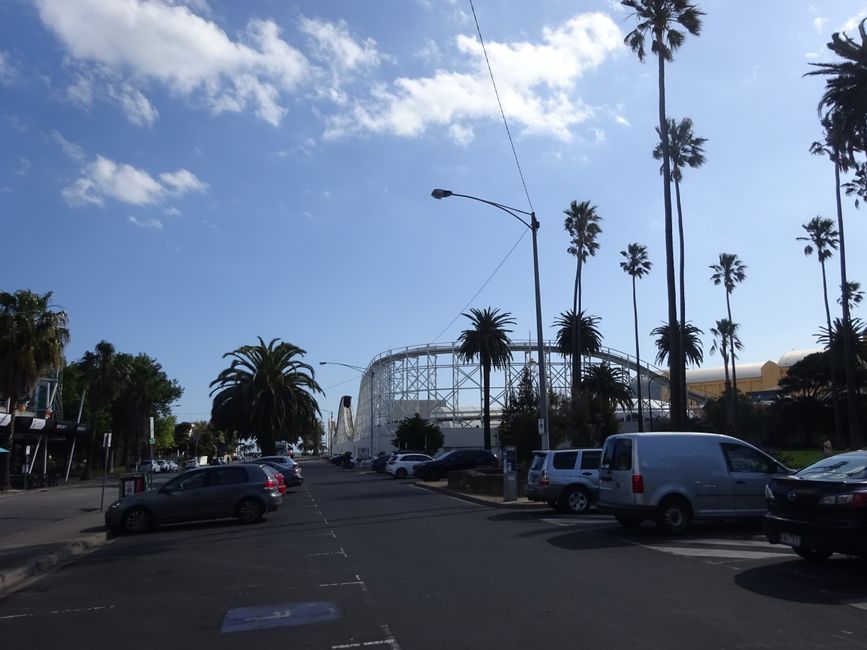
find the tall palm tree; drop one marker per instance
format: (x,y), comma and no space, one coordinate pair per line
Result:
(582,224)
(661,21)
(266,392)
(726,341)
(487,339)
(105,373)
(729,272)
(588,326)
(636,265)
(685,149)
(692,349)
(822,239)
(845,85)
(852,294)
(32,338)
(608,384)
(833,147)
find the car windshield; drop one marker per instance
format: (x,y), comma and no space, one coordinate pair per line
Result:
(837,468)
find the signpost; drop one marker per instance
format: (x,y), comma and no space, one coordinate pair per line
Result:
(106,443)
(152,440)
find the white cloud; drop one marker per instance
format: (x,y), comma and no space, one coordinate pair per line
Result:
(622,120)
(819,24)
(154,224)
(16,122)
(154,42)
(135,105)
(24,165)
(429,52)
(537,84)
(71,149)
(7,70)
(105,179)
(852,24)
(172,211)
(598,135)
(461,135)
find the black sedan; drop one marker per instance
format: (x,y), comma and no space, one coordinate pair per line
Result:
(822,509)
(455,460)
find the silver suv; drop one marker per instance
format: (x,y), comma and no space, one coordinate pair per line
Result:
(567,479)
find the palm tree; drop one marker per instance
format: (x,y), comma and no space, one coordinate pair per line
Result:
(266,392)
(729,272)
(32,338)
(588,326)
(852,294)
(822,239)
(637,265)
(685,149)
(726,341)
(692,349)
(488,339)
(582,224)
(608,384)
(845,86)
(834,149)
(104,373)
(661,20)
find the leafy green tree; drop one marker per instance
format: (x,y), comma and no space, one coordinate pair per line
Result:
(661,22)
(685,149)
(822,238)
(418,433)
(32,338)
(693,350)
(582,224)
(488,340)
(164,432)
(729,272)
(636,265)
(519,424)
(105,374)
(267,393)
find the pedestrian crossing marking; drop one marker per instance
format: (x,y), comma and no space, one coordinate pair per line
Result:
(725,542)
(716,552)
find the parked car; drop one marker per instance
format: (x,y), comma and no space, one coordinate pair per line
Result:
(673,478)
(290,470)
(457,459)
(192,463)
(172,466)
(149,466)
(245,491)
(822,509)
(567,479)
(378,463)
(403,465)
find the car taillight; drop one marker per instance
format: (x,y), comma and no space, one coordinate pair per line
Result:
(544,480)
(851,499)
(637,484)
(270,484)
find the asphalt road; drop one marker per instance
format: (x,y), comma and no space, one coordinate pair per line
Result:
(363,561)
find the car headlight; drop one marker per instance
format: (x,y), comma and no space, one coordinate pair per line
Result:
(114,505)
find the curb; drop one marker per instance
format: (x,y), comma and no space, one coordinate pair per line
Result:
(507,505)
(14,579)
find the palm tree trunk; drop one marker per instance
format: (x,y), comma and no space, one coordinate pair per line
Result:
(6,459)
(835,401)
(732,347)
(576,334)
(682,329)
(486,413)
(637,357)
(675,355)
(856,439)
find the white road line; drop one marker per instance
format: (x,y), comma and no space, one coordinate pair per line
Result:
(340,552)
(365,644)
(73,610)
(330,533)
(341,584)
(860,604)
(724,542)
(714,552)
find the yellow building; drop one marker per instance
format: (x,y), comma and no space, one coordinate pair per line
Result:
(753,378)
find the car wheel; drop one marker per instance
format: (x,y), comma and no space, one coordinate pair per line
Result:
(136,520)
(575,500)
(400,473)
(250,511)
(812,554)
(673,516)
(629,522)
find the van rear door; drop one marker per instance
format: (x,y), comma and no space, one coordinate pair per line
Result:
(615,472)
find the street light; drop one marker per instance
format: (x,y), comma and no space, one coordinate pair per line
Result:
(372,376)
(533,225)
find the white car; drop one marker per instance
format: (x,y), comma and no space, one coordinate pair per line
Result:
(191,464)
(172,466)
(403,465)
(149,466)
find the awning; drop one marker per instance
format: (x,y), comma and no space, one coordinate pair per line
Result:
(26,425)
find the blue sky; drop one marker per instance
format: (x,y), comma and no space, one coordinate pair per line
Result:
(186,176)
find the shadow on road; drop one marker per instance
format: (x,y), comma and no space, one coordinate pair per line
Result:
(837,580)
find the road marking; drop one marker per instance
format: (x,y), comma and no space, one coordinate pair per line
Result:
(860,604)
(330,533)
(714,552)
(342,584)
(243,619)
(340,552)
(73,610)
(724,542)
(364,644)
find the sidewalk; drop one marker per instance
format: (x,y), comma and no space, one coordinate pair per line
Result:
(43,529)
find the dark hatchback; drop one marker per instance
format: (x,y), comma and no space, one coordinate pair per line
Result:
(822,509)
(455,460)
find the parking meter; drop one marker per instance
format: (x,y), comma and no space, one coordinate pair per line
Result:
(510,473)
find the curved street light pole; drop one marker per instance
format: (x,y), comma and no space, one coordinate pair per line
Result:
(372,376)
(533,225)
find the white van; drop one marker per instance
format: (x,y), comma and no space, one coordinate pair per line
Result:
(673,478)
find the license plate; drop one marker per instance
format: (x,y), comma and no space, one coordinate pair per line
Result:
(790,539)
